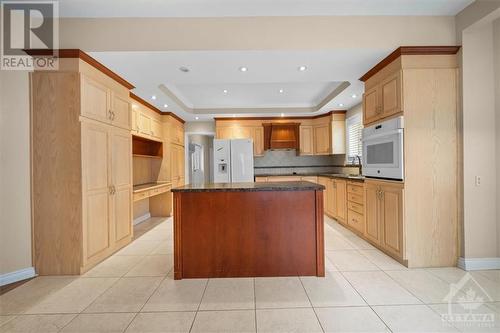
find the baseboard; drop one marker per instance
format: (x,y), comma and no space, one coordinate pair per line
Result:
(475,264)
(22,274)
(142,218)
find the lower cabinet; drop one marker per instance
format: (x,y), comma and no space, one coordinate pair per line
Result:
(384,216)
(107,191)
(339,201)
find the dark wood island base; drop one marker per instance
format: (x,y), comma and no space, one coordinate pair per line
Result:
(248,230)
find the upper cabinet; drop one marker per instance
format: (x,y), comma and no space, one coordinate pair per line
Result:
(146,119)
(306,140)
(317,135)
(384,99)
(101,103)
(244,131)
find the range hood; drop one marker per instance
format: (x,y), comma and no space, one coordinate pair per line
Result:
(281,136)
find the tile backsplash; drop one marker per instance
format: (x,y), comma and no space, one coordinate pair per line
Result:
(276,162)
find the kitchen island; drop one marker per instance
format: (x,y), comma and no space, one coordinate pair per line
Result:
(248,230)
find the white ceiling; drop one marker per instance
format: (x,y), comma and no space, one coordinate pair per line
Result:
(211,72)
(238,8)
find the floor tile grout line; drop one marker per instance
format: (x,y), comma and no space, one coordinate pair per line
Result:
(314,311)
(142,307)
(364,300)
(199,305)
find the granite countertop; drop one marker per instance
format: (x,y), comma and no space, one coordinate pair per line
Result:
(319,174)
(250,187)
(149,186)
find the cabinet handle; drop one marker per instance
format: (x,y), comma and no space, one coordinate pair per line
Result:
(110,114)
(111,189)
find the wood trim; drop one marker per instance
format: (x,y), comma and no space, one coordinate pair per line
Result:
(77,53)
(283,118)
(154,108)
(177,237)
(410,50)
(320,238)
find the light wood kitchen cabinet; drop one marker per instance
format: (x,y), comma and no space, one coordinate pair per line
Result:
(107,190)
(340,200)
(81,167)
(372,212)
(306,140)
(322,139)
(420,84)
(256,133)
(384,216)
(356,206)
(144,122)
(156,129)
(177,133)
(384,99)
(177,162)
(101,103)
(260,179)
(258,141)
(284,178)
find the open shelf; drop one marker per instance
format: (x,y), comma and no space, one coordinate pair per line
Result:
(146,148)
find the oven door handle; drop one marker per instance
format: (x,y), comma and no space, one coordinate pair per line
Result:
(381,135)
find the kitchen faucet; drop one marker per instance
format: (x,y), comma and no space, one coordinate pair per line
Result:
(359,165)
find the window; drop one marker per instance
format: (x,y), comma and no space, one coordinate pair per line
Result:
(354,128)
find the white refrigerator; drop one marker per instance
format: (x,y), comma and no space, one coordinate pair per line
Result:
(233,161)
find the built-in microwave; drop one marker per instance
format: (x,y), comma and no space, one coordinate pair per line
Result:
(383,150)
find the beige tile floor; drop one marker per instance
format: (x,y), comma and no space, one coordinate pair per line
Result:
(364,291)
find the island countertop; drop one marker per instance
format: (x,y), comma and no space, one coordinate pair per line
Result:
(250,187)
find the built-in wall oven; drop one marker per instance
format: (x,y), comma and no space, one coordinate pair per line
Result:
(383,150)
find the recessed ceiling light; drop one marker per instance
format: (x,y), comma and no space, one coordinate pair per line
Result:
(243,69)
(196,118)
(184,69)
(354,96)
(302,68)
(153,97)
(224,91)
(281,91)
(165,105)
(340,104)
(282,114)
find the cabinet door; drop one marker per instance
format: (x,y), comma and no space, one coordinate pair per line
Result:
(134,122)
(121,174)
(242,132)
(156,129)
(391,95)
(371,110)
(96,189)
(330,196)
(95,100)
(372,231)
(177,135)
(144,123)
(392,219)
(324,181)
(322,144)
(224,132)
(341,200)
(177,162)
(306,140)
(258,141)
(120,108)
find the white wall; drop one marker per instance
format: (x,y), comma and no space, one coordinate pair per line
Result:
(496,57)
(203,127)
(354,110)
(480,134)
(15,208)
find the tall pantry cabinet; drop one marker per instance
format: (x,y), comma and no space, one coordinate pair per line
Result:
(81,165)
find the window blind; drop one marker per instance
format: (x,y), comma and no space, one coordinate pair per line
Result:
(354,132)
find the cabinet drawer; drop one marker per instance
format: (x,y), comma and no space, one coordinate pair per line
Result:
(162,189)
(260,179)
(356,189)
(141,195)
(355,198)
(311,179)
(358,208)
(356,221)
